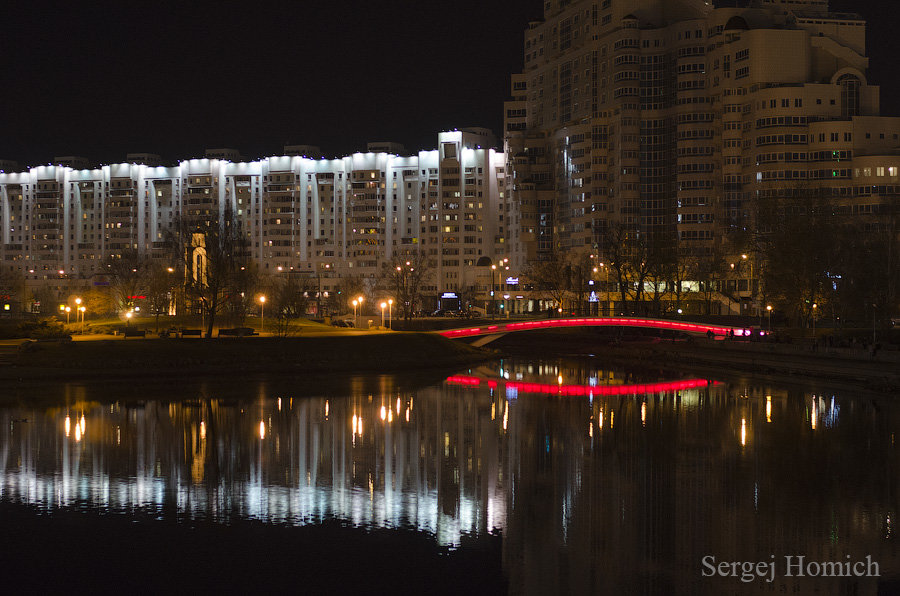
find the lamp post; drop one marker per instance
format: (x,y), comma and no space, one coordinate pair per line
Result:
(493,309)
(319,292)
(745,257)
(814,308)
(79,309)
(383,306)
(769,308)
(68,310)
(262,314)
(359,300)
(355,318)
(874,319)
(172,303)
(128,316)
(390,313)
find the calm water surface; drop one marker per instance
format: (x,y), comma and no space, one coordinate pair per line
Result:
(598,481)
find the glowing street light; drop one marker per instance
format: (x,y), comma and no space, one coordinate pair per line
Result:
(68,310)
(769,308)
(814,308)
(81,309)
(128,316)
(262,314)
(493,309)
(390,313)
(383,306)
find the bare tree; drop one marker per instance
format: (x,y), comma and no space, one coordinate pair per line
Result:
(159,290)
(12,288)
(552,277)
(290,296)
(801,246)
(405,276)
(617,257)
(214,256)
(128,274)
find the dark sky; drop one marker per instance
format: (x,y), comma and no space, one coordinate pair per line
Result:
(102,79)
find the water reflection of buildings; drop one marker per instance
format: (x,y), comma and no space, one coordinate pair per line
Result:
(641,487)
(613,490)
(429,460)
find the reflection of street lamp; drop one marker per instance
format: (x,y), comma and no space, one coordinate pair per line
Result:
(383,306)
(262,314)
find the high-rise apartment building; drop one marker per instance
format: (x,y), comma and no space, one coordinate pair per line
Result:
(348,217)
(674,121)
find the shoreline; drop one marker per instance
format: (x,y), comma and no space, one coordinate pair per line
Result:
(174,359)
(180,358)
(786,363)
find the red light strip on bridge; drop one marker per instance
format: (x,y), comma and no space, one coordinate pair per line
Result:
(596,322)
(581,390)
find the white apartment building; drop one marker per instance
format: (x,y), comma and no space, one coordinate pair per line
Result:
(340,217)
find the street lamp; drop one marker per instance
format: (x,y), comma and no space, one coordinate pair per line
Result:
(262,314)
(605,285)
(493,309)
(359,300)
(383,306)
(68,310)
(745,257)
(173,306)
(390,313)
(814,308)
(355,318)
(81,309)
(319,292)
(128,316)
(769,308)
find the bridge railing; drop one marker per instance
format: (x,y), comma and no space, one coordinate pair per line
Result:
(663,324)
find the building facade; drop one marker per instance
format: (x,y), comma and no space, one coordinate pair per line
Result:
(674,121)
(339,217)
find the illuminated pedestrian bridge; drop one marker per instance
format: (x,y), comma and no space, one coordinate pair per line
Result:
(495,331)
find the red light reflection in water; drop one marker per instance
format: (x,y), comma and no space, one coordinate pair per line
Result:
(577,390)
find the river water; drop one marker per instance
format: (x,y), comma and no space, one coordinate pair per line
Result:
(593,480)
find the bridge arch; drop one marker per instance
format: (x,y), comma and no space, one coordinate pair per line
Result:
(644,323)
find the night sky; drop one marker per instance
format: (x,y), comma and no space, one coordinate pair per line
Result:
(102,79)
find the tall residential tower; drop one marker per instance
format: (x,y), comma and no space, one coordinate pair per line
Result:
(671,122)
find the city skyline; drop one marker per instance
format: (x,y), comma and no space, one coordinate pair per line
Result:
(62,89)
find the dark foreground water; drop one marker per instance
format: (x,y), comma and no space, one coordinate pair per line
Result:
(552,477)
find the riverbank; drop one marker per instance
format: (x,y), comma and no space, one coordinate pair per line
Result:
(120,358)
(783,362)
